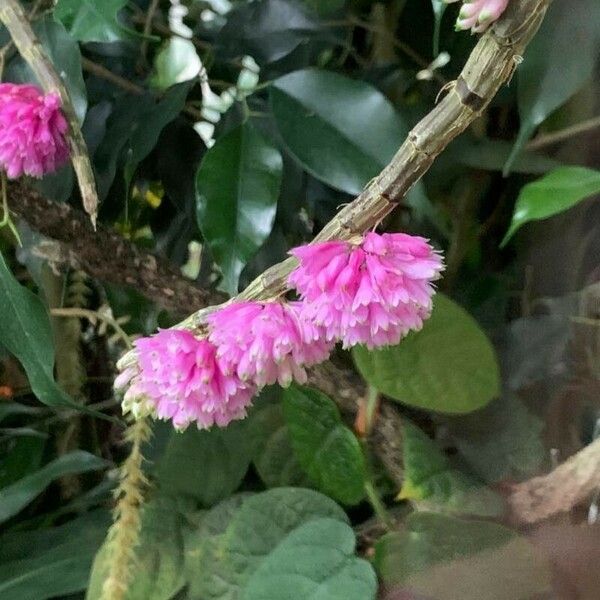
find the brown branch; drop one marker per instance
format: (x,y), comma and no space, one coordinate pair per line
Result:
(30,48)
(569,485)
(554,137)
(490,65)
(106,255)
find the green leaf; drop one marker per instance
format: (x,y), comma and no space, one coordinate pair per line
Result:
(53,562)
(317,560)
(449,366)
(26,333)
(63,52)
(92,21)
(454,559)
(432,484)
(176,62)
(558,62)
(274,457)
(341,130)
(206,465)
(553,194)
(18,495)
(327,450)
(25,457)
(157,573)
(254,531)
(237,189)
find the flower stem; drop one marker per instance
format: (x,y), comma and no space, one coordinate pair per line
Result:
(377,504)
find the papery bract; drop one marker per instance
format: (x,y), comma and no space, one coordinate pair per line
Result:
(32,131)
(371,292)
(177,378)
(478,15)
(266,342)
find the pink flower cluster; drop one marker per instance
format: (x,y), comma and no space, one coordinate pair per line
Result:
(371,292)
(32,131)
(478,15)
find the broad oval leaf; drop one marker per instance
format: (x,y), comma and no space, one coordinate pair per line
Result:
(449,366)
(450,559)
(327,450)
(90,20)
(342,131)
(554,193)
(558,62)
(18,495)
(205,465)
(237,187)
(317,560)
(254,531)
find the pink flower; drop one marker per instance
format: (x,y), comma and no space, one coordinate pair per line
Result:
(478,15)
(178,378)
(32,131)
(373,292)
(266,342)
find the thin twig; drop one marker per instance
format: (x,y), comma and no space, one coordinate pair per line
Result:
(148,28)
(30,48)
(548,139)
(132,88)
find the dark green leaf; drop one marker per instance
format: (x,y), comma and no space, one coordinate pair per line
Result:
(432,484)
(267,30)
(158,570)
(90,20)
(327,450)
(238,185)
(553,194)
(261,523)
(453,559)
(24,456)
(52,562)
(449,366)
(18,495)
(341,130)
(206,465)
(315,560)
(25,332)
(558,62)
(274,457)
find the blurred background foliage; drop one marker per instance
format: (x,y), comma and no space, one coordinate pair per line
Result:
(224,132)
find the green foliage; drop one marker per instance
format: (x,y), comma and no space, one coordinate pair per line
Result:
(205,465)
(450,366)
(555,193)
(327,568)
(357,129)
(17,495)
(556,67)
(25,332)
(448,558)
(90,21)
(238,185)
(433,484)
(50,562)
(327,450)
